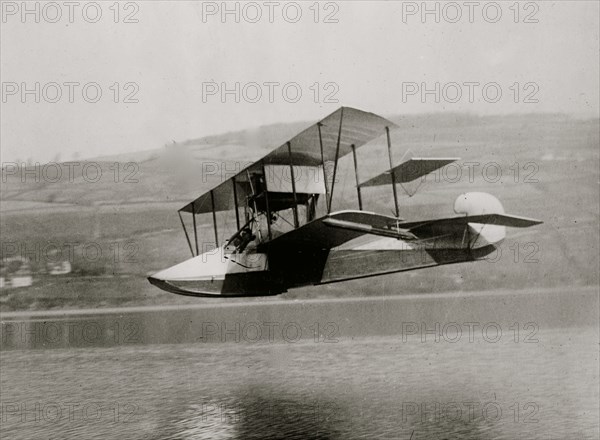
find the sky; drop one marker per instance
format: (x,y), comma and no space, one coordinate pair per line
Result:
(162,67)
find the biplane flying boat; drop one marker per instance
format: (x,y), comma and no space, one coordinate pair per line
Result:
(269,253)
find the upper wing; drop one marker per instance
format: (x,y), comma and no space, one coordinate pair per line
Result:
(346,126)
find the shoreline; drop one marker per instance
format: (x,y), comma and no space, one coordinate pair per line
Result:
(277,300)
(427,317)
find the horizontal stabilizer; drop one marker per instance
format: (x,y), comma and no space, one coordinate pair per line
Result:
(410,170)
(489,219)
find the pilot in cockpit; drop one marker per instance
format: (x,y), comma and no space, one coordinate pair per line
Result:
(242,239)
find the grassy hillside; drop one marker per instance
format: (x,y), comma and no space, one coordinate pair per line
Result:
(117,226)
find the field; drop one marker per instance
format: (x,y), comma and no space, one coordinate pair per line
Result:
(120,224)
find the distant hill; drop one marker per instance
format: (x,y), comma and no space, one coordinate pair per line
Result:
(181,170)
(549,169)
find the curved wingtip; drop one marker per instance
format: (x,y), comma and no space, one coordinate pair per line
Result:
(519,222)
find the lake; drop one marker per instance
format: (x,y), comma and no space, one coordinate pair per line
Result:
(449,368)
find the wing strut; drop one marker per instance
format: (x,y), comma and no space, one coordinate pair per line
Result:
(235,202)
(212,199)
(266,193)
(296,223)
(323,164)
(337,154)
(187,237)
(389,145)
(195,229)
(356,176)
